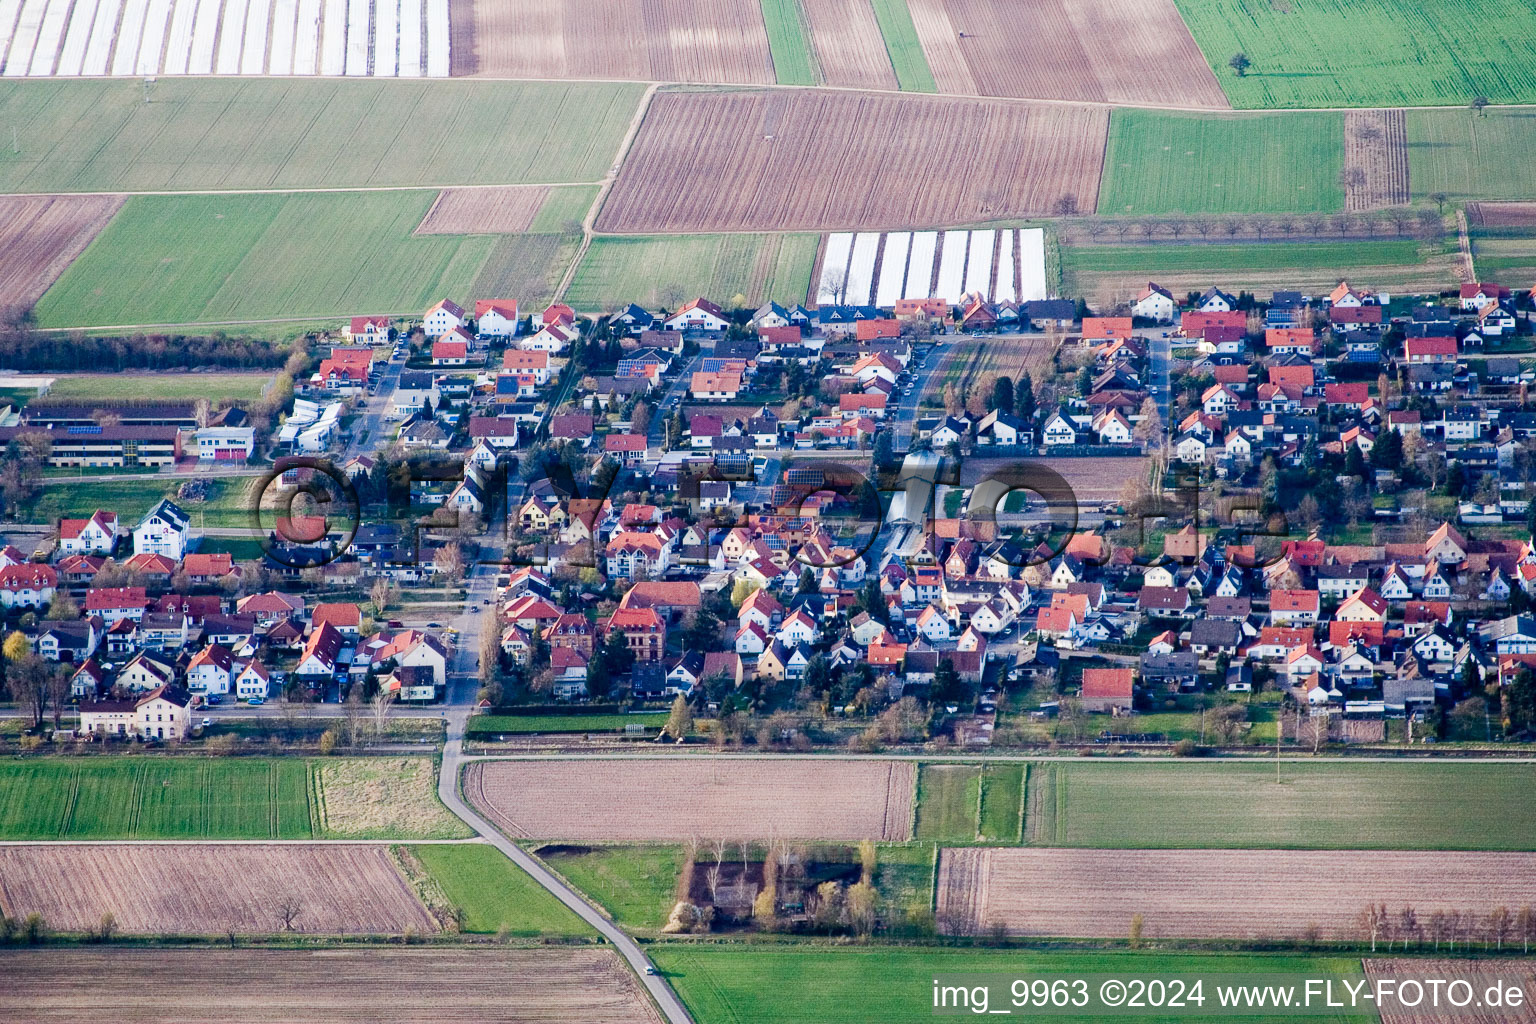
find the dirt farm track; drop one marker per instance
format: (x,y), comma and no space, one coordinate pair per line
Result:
(772,169)
(338,986)
(211,888)
(1247,894)
(667,800)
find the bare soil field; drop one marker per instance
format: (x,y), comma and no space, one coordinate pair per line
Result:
(1248,894)
(1502,215)
(211,888)
(1115,51)
(667,800)
(848,44)
(1476,973)
(720,41)
(1092,479)
(1375,159)
(770,167)
(40,236)
(367,986)
(505,210)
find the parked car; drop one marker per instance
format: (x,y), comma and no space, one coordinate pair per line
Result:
(207,722)
(256,702)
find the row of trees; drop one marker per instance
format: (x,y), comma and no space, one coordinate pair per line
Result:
(1450,927)
(24,349)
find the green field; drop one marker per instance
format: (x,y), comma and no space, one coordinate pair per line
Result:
(529,267)
(1158,163)
(789,43)
(1255,256)
(637,885)
(227,504)
(563,210)
(821,985)
(196,259)
(1508,252)
(156,798)
(211,133)
(1002,802)
(241,549)
(659,270)
(1469,157)
(490,725)
(903,46)
(496,894)
(1368,53)
(947,799)
(1409,806)
(245,387)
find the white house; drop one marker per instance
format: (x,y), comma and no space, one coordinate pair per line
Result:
(163,531)
(496,318)
(211,670)
(552,338)
(163,713)
(698,315)
(253,681)
(94,536)
(442,318)
(1059,430)
(29,585)
(1155,303)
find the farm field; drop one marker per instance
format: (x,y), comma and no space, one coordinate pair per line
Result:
(947,799)
(903,47)
(1468,970)
(1002,159)
(227,503)
(664,41)
(1002,803)
(484,211)
(529,267)
(1161,163)
(243,133)
(249,798)
(1351,52)
(1246,894)
(1375,159)
(1468,157)
(1504,252)
(637,885)
(212,258)
(788,45)
(745,798)
(491,725)
(239,387)
(818,985)
(496,894)
(849,47)
(661,270)
(40,236)
(1321,806)
(383,798)
(388,985)
(1107,274)
(338,888)
(1073,51)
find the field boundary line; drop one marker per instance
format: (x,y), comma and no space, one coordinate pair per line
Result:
(468,841)
(207,801)
(272,796)
(298,190)
(1023,799)
(136,808)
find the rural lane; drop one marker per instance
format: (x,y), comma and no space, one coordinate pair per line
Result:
(448,792)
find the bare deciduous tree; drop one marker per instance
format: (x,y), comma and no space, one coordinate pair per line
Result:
(287,909)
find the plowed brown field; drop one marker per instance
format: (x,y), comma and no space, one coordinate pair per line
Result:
(1502,215)
(653,40)
(668,800)
(1476,973)
(1248,894)
(40,236)
(1114,51)
(1375,159)
(280,986)
(900,161)
(210,888)
(506,210)
(848,44)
